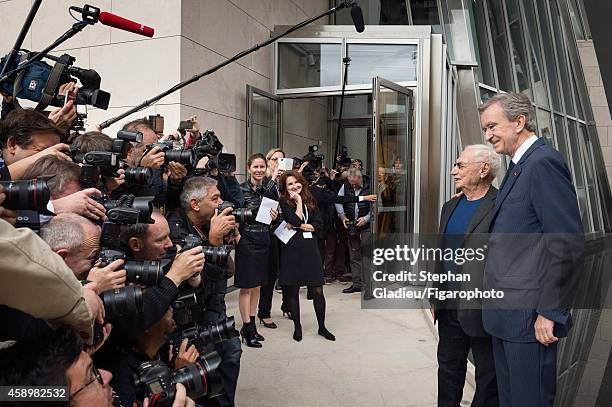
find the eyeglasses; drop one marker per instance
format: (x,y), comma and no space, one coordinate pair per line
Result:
(465,164)
(97,376)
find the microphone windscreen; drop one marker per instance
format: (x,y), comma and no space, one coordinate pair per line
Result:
(357,16)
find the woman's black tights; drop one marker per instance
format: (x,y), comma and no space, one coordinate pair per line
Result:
(293,301)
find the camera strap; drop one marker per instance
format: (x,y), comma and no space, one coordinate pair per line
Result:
(50,86)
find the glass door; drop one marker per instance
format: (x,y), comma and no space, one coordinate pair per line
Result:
(393,171)
(264,124)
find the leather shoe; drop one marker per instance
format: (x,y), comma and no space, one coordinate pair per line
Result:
(352,289)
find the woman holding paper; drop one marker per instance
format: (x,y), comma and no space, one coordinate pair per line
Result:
(300,260)
(253,248)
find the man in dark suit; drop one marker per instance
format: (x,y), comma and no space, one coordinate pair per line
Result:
(536,237)
(464,221)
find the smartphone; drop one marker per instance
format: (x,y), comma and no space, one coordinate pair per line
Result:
(186,125)
(285,164)
(68,96)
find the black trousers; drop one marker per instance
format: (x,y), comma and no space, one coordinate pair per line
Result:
(453,350)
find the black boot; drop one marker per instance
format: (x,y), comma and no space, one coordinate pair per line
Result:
(297,333)
(254,325)
(326,334)
(247,334)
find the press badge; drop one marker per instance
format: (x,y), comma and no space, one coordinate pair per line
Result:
(307,235)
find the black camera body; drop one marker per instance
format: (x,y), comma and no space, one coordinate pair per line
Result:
(124,140)
(156,381)
(242,215)
(181,308)
(352,229)
(207,145)
(343,159)
(204,336)
(184,157)
(107,162)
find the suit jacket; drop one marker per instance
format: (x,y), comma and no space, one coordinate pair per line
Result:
(469,313)
(536,241)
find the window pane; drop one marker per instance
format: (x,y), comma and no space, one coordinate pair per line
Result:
(579,110)
(545,126)
(578,174)
(519,55)
(424,12)
(305,65)
(562,57)
(396,63)
(562,138)
(549,56)
(535,52)
(576,21)
(589,163)
(485,63)
(500,45)
(486,94)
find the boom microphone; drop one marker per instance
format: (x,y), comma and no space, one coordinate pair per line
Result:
(121,23)
(357,16)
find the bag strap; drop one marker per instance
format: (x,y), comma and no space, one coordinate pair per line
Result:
(52,82)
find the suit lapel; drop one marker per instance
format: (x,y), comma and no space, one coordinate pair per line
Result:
(514,174)
(482,210)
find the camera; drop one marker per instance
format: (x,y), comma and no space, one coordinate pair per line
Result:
(139,175)
(207,145)
(213,255)
(181,308)
(242,215)
(203,336)
(201,379)
(148,273)
(352,229)
(28,195)
(124,140)
(121,302)
(128,209)
(343,159)
(184,157)
(107,162)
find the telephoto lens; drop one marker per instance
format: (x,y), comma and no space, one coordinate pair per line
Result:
(28,195)
(139,175)
(201,379)
(124,301)
(149,273)
(185,157)
(217,255)
(242,215)
(202,336)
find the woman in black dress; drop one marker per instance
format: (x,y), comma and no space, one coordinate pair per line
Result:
(300,261)
(252,250)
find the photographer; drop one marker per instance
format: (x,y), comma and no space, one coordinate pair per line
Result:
(322,190)
(124,361)
(26,136)
(58,359)
(152,242)
(253,249)
(31,270)
(355,219)
(198,216)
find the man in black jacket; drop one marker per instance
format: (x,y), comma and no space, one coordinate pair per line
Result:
(464,223)
(199,216)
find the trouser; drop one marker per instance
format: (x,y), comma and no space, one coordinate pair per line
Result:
(354,244)
(453,350)
(526,373)
(329,252)
(340,252)
(266,292)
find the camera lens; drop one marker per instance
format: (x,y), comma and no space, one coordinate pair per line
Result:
(147,273)
(122,301)
(216,255)
(209,363)
(29,195)
(90,176)
(220,332)
(193,377)
(185,157)
(243,215)
(139,175)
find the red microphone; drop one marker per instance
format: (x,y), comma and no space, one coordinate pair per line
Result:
(121,23)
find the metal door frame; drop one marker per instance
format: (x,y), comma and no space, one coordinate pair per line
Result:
(250,90)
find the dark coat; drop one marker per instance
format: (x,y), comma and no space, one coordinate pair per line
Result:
(469,314)
(535,243)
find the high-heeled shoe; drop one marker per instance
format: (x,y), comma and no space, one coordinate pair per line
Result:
(247,336)
(326,334)
(297,334)
(270,325)
(257,335)
(286,312)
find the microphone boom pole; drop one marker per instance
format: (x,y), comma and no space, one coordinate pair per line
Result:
(147,103)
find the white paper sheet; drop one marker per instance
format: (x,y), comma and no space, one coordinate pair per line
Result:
(263,214)
(283,233)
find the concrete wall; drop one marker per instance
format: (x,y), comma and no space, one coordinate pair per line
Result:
(598,100)
(190,36)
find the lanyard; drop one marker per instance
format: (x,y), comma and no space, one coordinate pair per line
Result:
(305,214)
